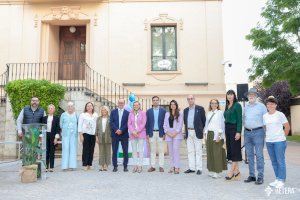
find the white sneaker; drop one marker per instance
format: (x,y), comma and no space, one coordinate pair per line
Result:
(216,175)
(279,184)
(211,174)
(273,184)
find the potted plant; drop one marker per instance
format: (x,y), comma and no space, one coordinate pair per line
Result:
(33,150)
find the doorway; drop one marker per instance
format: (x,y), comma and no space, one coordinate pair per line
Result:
(72,52)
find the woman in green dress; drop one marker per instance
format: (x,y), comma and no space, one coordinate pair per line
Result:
(233,129)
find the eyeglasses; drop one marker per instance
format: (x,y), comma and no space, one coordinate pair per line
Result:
(214,104)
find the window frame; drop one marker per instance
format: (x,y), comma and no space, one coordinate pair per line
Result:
(163,26)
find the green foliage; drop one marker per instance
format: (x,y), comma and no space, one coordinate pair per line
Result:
(31,146)
(294,138)
(277,39)
(21,91)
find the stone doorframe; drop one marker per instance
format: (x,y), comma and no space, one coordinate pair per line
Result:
(49,35)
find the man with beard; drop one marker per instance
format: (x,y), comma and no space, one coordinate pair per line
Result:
(30,114)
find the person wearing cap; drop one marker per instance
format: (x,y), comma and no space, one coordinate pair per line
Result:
(254,136)
(277,127)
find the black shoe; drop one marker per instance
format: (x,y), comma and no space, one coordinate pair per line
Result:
(189,171)
(250,179)
(199,172)
(227,178)
(115,169)
(125,169)
(259,181)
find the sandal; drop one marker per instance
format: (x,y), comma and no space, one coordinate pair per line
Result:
(172,170)
(135,169)
(139,169)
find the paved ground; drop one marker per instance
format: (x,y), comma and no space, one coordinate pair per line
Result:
(108,185)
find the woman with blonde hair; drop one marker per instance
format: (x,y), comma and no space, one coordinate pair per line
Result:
(103,138)
(68,124)
(137,128)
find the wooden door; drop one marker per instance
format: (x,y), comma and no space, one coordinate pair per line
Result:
(72,53)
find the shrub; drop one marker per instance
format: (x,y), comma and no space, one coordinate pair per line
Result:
(20,93)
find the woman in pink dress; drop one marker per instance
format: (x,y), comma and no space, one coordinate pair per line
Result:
(136,127)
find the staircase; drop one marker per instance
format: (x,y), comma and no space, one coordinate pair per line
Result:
(3,81)
(88,86)
(91,83)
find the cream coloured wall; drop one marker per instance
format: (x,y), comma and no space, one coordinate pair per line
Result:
(118,43)
(295,118)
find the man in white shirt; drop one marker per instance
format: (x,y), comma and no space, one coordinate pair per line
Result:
(194,121)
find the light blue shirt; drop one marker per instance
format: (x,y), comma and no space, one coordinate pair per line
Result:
(191,117)
(156,113)
(253,117)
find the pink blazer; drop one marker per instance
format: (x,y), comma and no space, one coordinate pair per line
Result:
(177,127)
(141,124)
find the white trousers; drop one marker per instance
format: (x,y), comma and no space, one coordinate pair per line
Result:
(155,140)
(137,151)
(194,147)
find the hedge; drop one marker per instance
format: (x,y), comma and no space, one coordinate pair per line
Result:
(20,93)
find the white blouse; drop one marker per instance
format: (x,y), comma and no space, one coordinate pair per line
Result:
(104,121)
(49,123)
(216,124)
(136,120)
(87,123)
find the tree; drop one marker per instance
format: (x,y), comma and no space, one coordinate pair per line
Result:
(277,40)
(281,91)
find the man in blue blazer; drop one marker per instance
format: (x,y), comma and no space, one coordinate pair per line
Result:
(194,122)
(119,133)
(155,133)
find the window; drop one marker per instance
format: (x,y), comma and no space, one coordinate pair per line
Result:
(163,48)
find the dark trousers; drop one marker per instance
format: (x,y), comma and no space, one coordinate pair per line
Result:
(50,150)
(115,147)
(234,152)
(88,149)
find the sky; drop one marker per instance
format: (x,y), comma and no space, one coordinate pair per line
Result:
(239,17)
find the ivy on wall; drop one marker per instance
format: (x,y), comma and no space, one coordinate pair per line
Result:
(21,91)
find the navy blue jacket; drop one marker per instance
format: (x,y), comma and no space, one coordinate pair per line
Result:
(114,123)
(199,121)
(150,122)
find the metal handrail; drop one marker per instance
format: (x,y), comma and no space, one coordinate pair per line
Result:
(3,81)
(77,76)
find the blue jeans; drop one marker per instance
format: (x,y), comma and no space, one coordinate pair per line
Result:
(276,152)
(254,141)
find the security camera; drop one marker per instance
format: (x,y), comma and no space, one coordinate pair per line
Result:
(228,62)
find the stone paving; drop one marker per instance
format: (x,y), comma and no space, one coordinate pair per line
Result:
(79,184)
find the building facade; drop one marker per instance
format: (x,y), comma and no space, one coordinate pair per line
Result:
(169,48)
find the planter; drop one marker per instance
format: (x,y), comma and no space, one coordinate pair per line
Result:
(29,174)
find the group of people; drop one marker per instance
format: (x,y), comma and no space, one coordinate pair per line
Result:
(156,126)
